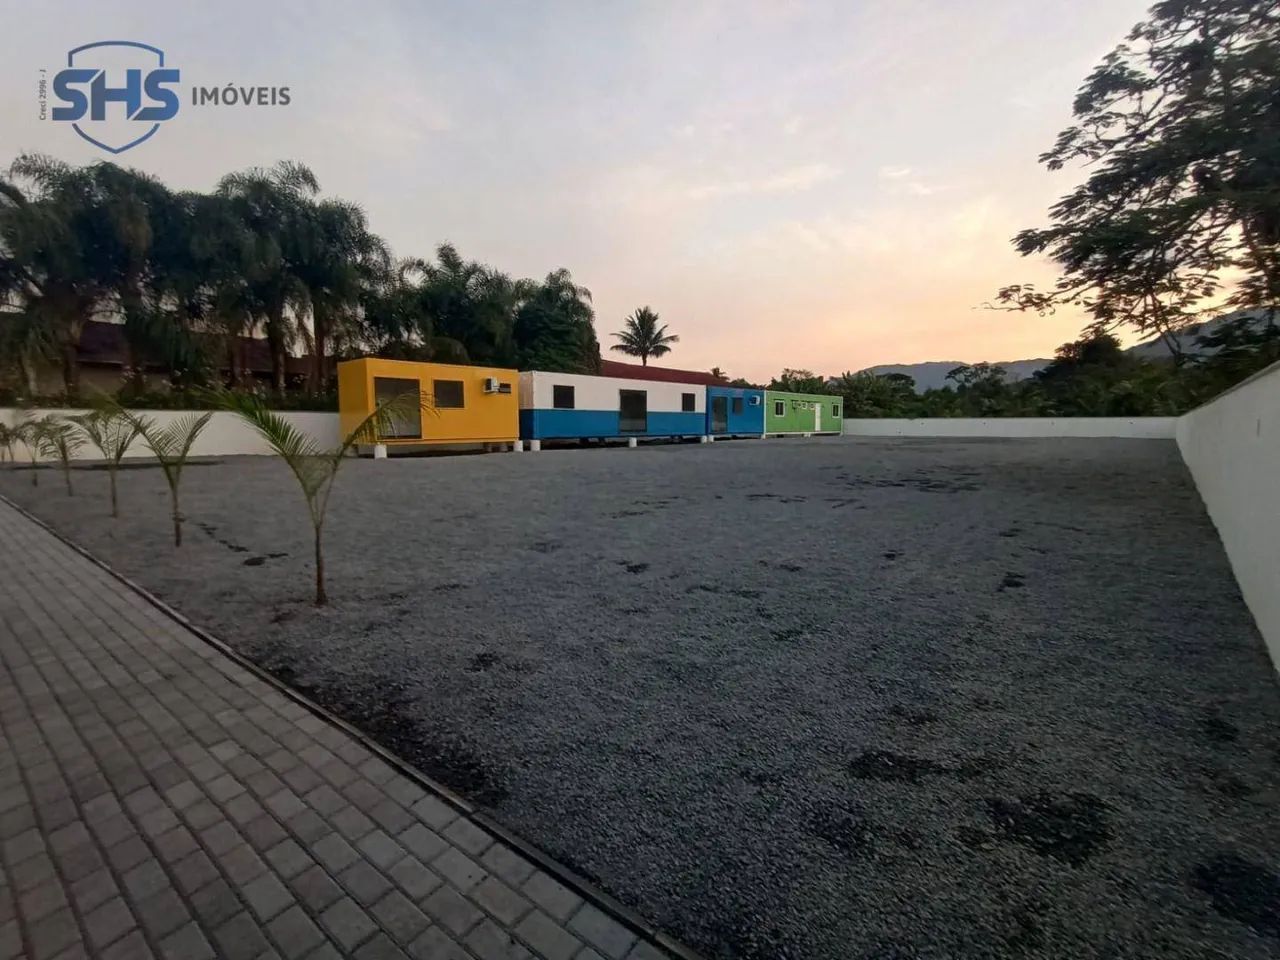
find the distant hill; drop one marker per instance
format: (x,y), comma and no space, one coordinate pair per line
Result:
(932,374)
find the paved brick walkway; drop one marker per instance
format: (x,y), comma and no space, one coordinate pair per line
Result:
(157,799)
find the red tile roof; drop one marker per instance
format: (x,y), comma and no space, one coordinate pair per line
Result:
(636,371)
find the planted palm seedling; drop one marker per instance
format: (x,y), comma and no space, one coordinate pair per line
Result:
(7,439)
(112,433)
(171,445)
(30,433)
(313,466)
(59,438)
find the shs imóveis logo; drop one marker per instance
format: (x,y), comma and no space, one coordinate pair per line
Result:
(115,93)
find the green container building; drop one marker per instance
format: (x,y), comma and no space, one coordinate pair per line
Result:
(802,413)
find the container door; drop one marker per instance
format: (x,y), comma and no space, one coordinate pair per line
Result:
(633,411)
(719,414)
(817,418)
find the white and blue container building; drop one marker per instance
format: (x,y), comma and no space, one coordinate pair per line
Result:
(571,406)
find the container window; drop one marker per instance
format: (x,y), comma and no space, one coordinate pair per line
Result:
(406,425)
(504,388)
(779,408)
(633,411)
(835,409)
(688,403)
(562,397)
(737,404)
(448,394)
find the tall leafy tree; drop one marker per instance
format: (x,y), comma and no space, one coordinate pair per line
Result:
(868,394)
(339,258)
(1180,128)
(58,244)
(555,326)
(799,381)
(471,304)
(273,206)
(642,336)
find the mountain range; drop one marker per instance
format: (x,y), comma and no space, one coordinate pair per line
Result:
(932,374)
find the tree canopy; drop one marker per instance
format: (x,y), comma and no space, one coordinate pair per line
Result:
(189,276)
(1179,129)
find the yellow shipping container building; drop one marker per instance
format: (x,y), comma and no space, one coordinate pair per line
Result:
(470,404)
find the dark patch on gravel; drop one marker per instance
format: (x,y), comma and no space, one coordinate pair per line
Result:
(1071,827)
(849,833)
(916,718)
(684,748)
(888,767)
(483,661)
(1242,890)
(1219,729)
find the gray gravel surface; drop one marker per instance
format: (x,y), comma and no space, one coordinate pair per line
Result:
(828,698)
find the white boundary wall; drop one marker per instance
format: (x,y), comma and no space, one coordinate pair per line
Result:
(1231,445)
(225,436)
(1148,428)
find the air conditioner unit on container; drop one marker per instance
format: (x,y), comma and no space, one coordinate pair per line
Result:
(491,385)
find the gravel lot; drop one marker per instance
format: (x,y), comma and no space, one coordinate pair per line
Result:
(799,698)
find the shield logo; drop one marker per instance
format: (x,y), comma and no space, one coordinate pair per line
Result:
(114,124)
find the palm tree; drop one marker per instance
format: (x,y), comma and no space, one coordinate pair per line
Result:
(313,466)
(58,244)
(470,308)
(8,437)
(340,257)
(59,438)
(272,206)
(642,336)
(171,445)
(30,433)
(112,434)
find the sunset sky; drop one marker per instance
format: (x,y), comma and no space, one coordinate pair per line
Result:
(827,185)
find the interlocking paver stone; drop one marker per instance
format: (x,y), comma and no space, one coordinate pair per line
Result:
(364,882)
(347,922)
(452,910)
(399,917)
(296,932)
(547,937)
(459,869)
(413,878)
(188,943)
(602,932)
(489,941)
(500,900)
(186,809)
(504,862)
(109,922)
(551,895)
